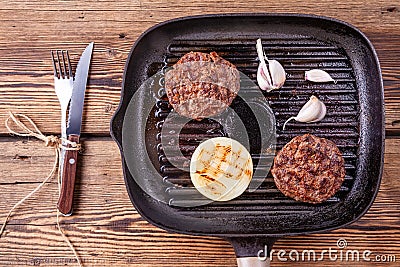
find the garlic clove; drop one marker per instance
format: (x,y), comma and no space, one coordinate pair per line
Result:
(322,113)
(319,76)
(270,74)
(262,79)
(309,112)
(278,74)
(313,111)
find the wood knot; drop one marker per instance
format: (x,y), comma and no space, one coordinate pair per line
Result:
(389,9)
(52,141)
(108,108)
(111,52)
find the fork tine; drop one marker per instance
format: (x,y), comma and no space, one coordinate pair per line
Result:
(69,66)
(54,64)
(64,64)
(59,64)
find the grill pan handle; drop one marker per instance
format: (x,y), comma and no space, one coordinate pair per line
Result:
(249,249)
(252,262)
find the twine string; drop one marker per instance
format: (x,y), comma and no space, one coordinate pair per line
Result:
(50,141)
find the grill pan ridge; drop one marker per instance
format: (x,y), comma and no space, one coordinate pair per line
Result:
(354,120)
(344,108)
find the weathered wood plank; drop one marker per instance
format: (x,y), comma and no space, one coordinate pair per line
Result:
(24,161)
(106,229)
(30,30)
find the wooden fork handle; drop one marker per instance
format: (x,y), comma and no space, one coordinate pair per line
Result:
(68,178)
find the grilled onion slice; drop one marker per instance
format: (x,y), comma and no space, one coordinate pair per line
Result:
(221,168)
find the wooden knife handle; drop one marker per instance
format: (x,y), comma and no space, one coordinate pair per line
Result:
(68,178)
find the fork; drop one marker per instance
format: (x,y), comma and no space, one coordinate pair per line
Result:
(63,84)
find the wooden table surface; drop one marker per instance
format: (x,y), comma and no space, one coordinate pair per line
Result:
(105,228)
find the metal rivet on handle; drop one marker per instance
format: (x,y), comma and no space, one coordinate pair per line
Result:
(71,161)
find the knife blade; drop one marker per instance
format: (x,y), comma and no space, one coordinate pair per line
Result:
(73,132)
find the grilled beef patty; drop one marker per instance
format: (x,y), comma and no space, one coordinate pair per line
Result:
(309,169)
(201,85)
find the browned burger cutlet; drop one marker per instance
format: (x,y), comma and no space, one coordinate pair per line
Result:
(309,169)
(202,89)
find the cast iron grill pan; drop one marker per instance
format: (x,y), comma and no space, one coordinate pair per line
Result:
(354,120)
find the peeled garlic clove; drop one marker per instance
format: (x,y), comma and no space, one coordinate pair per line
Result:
(270,74)
(313,111)
(318,76)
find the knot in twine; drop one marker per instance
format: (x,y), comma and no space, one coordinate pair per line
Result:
(49,141)
(52,141)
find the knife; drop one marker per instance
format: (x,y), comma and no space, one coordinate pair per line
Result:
(73,132)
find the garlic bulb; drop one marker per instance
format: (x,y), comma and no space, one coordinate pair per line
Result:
(270,76)
(318,76)
(313,111)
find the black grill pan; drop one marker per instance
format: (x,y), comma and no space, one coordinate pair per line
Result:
(354,121)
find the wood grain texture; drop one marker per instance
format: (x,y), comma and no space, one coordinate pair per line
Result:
(30,29)
(106,229)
